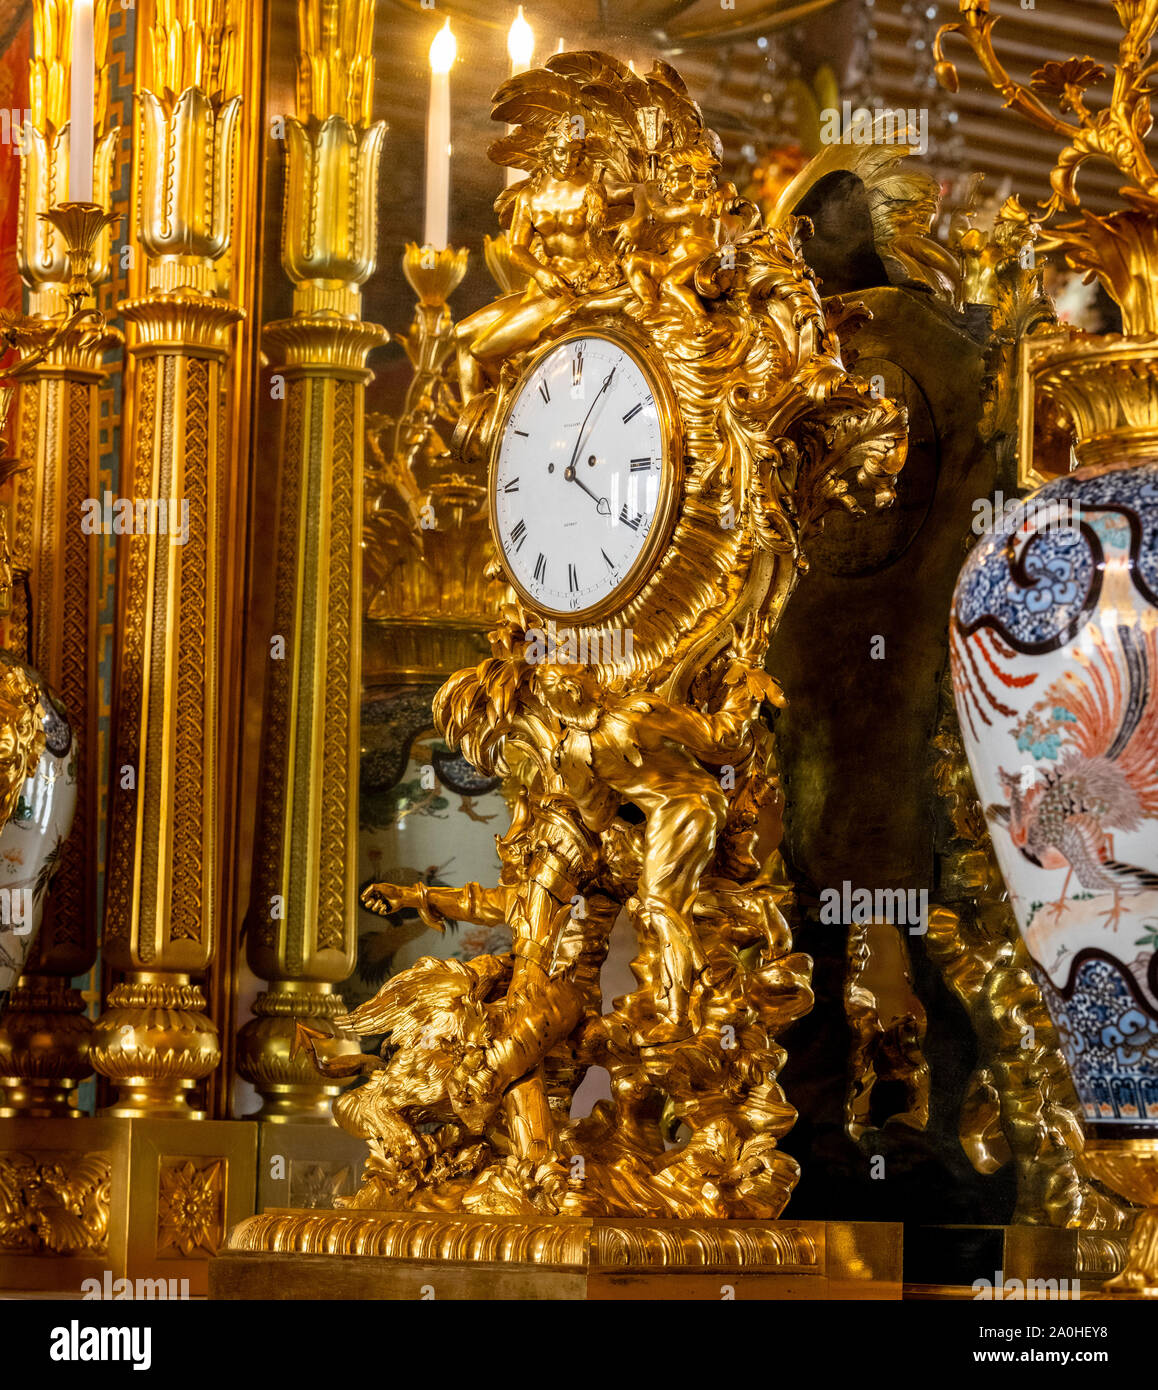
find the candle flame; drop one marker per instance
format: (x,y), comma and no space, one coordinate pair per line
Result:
(521,42)
(443,50)
(560,48)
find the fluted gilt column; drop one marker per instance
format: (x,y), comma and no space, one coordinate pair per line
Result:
(44,1036)
(303,913)
(154,1039)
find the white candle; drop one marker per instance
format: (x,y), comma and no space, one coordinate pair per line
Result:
(442,54)
(521,47)
(82,104)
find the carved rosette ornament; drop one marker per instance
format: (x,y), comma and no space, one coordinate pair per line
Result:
(666,419)
(302,919)
(154,1039)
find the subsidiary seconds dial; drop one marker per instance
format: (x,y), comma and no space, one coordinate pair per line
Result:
(582,478)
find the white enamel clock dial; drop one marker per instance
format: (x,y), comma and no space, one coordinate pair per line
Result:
(581,476)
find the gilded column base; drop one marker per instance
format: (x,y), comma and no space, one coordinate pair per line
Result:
(291,1087)
(110,1199)
(44,1049)
(155,1042)
(399,1255)
(1009,1262)
(306,1165)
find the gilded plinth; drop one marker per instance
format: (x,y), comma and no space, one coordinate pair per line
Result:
(394,1255)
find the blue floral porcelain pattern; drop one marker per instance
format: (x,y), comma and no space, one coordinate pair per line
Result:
(1111,1044)
(1036,587)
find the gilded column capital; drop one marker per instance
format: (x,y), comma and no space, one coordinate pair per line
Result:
(335,347)
(181,323)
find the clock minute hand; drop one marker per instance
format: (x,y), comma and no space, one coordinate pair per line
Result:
(583,427)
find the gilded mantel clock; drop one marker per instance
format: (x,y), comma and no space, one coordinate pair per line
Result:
(665,417)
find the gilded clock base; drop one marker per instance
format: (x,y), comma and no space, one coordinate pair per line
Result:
(395,1255)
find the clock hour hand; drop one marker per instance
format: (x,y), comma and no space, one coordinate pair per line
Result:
(602,506)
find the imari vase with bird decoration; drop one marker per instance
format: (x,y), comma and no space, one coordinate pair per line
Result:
(1054,643)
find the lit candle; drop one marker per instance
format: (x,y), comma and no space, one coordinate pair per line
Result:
(82,106)
(521,47)
(520,44)
(442,55)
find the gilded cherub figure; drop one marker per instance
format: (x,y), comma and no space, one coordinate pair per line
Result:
(556,224)
(690,206)
(553,979)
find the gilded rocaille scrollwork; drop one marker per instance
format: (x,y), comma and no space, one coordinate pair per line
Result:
(651,786)
(887,1021)
(903,203)
(1119,248)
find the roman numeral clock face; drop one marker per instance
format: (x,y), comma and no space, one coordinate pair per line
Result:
(582,477)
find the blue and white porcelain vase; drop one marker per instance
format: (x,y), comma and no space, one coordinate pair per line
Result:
(1054,648)
(1054,641)
(38,793)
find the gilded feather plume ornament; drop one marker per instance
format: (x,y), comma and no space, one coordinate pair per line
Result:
(651,794)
